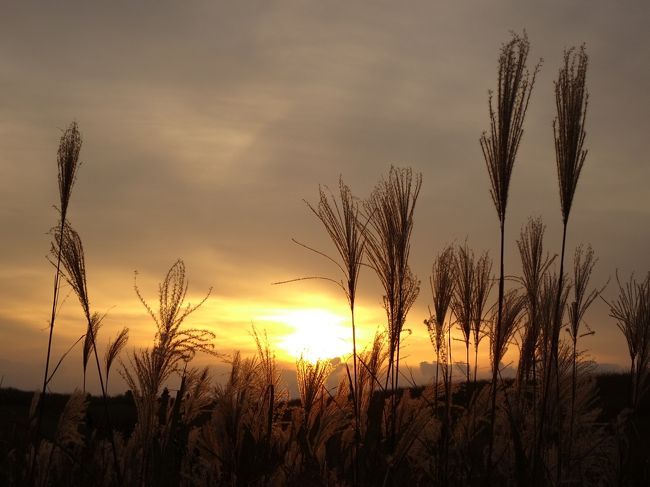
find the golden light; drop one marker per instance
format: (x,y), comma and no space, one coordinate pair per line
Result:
(315,334)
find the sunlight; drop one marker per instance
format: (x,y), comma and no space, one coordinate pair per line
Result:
(316,334)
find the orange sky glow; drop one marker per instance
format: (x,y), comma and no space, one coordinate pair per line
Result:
(206,128)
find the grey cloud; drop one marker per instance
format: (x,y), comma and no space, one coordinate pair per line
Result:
(206,125)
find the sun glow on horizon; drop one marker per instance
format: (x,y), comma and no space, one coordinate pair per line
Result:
(316,334)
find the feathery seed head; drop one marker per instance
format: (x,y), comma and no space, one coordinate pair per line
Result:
(68,162)
(571,99)
(500,145)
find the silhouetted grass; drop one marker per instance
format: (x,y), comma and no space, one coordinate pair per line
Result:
(555,423)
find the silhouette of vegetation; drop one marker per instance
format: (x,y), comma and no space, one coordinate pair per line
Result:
(552,422)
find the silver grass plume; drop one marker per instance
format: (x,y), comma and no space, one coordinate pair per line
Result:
(462,303)
(114,348)
(481,291)
(342,223)
(500,145)
(90,339)
(534,264)
(443,282)
(571,99)
(68,163)
(501,335)
(388,243)
(584,263)
(68,243)
(311,379)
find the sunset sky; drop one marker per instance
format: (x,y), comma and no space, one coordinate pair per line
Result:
(206,124)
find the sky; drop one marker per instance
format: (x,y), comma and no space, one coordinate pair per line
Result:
(206,126)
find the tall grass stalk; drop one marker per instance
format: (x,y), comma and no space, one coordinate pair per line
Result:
(342,223)
(68,247)
(442,281)
(534,264)
(68,163)
(514,87)
(388,243)
(571,99)
(549,333)
(583,265)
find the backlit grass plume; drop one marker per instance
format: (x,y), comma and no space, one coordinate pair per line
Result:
(174,347)
(173,343)
(114,348)
(534,265)
(500,145)
(68,162)
(89,341)
(571,100)
(463,299)
(513,307)
(68,245)
(443,282)
(481,288)
(311,377)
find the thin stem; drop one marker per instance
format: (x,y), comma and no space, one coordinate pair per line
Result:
(105,401)
(495,365)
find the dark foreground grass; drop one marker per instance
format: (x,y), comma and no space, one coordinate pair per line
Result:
(630,429)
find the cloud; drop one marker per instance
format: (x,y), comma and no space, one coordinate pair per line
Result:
(205,126)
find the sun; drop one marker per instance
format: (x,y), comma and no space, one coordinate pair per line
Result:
(315,334)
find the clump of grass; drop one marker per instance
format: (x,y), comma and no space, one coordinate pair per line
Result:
(174,347)
(67,442)
(311,377)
